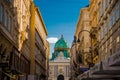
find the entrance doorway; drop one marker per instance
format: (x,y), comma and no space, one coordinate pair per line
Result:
(60,77)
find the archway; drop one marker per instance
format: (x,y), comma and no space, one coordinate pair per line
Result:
(60,77)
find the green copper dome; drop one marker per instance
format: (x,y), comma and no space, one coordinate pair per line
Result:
(61,44)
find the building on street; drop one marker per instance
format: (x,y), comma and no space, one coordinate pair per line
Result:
(104,22)
(41,47)
(80,50)
(59,64)
(24,50)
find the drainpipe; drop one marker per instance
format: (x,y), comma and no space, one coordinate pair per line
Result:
(32,38)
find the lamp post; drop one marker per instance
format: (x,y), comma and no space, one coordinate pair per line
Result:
(91,64)
(77,59)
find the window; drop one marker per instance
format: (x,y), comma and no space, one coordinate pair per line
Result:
(1,12)
(5,19)
(111,20)
(117,43)
(105,27)
(111,46)
(102,31)
(118,39)
(10,23)
(99,12)
(119,8)
(9,27)
(107,24)
(113,15)
(11,1)
(102,7)
(106,47)
(99,35)
(106,4)
(117,11)
(110,1)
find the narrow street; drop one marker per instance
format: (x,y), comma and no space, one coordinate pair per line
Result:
(59,40)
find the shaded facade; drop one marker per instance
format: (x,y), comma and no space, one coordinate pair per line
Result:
(20,39)
(9,41)
(41,47)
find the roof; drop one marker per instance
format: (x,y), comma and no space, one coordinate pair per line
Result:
(61,44)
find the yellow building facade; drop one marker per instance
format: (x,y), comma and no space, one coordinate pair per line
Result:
(41,47)
(104,22)
(80,50)
(23,48)
(93,9)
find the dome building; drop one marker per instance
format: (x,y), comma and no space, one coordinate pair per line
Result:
(59,64)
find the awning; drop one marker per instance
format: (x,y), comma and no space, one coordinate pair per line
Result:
(112,70)
(97,69)
(114,59)
(85,75)
(84,69)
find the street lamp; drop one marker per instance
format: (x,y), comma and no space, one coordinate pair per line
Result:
(91,64)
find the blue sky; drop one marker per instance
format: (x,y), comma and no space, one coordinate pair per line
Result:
(61,17)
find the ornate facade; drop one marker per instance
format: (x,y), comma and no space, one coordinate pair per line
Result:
(80,49)
(105,24)
(59,64)
(93,10)
(20,41)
